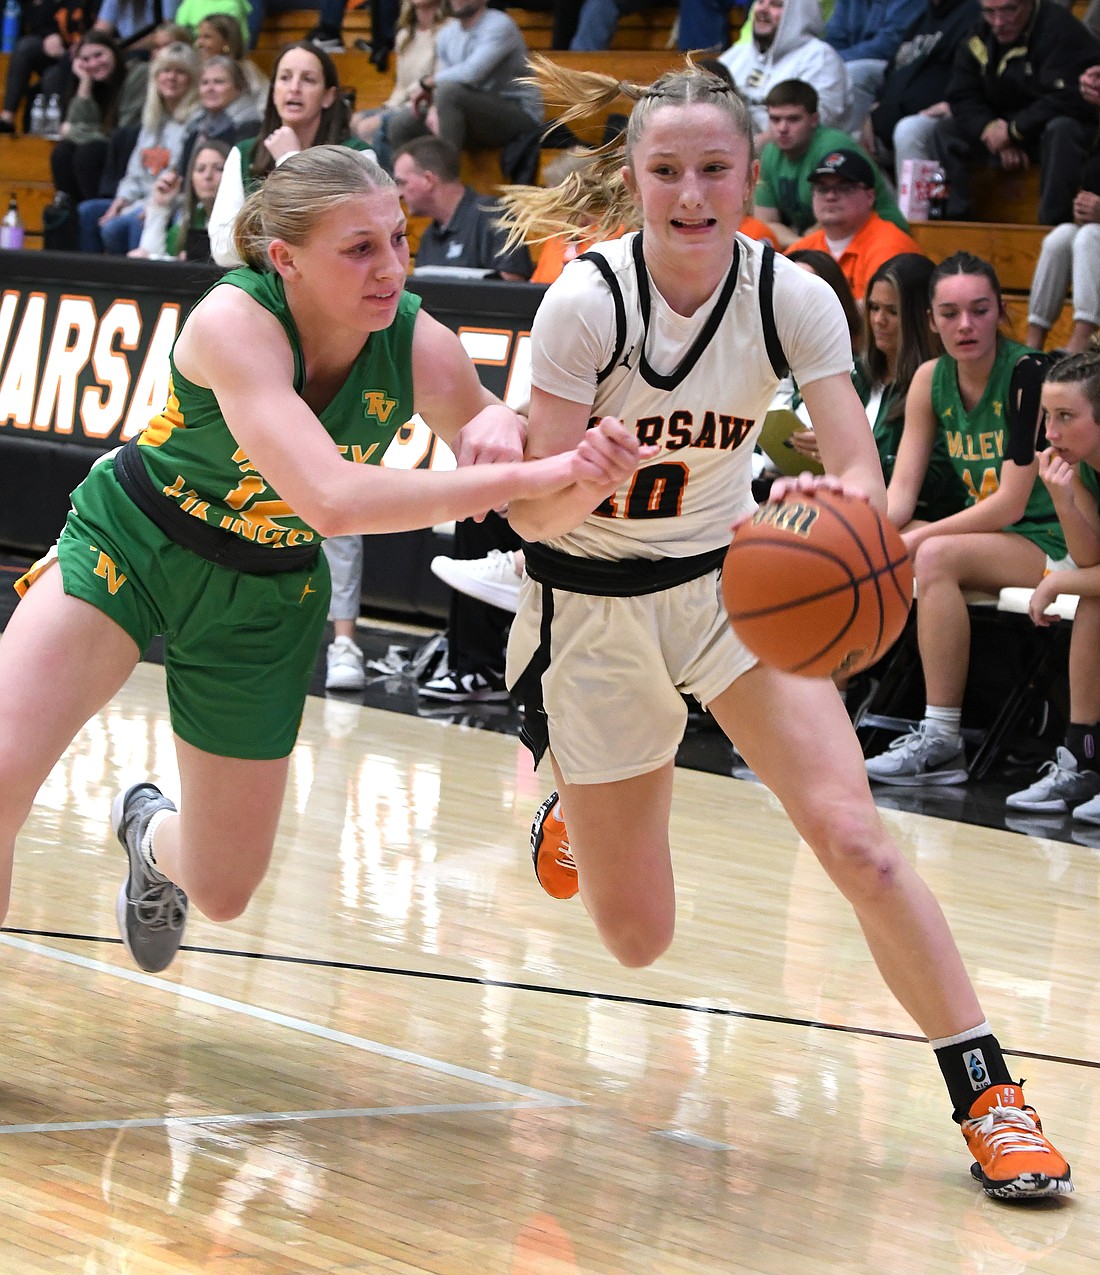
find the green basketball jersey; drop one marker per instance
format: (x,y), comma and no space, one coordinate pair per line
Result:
(977,441)
(942,492)
(193,458)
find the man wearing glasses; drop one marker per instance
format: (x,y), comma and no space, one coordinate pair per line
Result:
(1015,102)
(848,228)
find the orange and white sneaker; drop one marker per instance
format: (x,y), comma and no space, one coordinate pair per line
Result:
(1013,1160)
(553,860)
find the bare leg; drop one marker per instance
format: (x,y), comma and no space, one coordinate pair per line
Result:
(1036,337)
(218,847)
(777,722)
(945,566)
(618,834)
(1080,337)
(61,660)
(1084,670)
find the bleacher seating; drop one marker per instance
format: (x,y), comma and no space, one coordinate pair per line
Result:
(641,51)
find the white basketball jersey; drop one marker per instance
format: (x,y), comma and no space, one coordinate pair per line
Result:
(699,388)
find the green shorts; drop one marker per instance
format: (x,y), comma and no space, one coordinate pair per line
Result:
(240,650)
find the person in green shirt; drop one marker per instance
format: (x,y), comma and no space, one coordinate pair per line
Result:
(288,380)
(784,196)
(975,394)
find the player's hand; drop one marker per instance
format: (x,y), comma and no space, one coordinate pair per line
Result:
(804,484)
(495,434)
(1014,159)
(1042,596)
(1058,476)
(609,453)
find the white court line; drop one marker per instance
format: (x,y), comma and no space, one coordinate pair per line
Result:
(530,1097)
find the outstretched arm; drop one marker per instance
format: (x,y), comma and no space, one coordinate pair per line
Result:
(554,426)
(252,379)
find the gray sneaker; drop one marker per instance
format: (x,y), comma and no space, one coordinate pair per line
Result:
(1089,812)
(919,758)
(1059,788)
(151,911)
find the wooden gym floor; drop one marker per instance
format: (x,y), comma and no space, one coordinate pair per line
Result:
(405,1058)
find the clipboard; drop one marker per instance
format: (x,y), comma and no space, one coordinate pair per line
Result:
(779,425)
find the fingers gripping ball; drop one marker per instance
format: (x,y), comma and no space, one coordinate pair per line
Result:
(817,584)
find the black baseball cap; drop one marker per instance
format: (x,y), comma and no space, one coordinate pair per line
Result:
(850,165)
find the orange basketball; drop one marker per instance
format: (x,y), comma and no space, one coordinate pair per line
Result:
(817,584)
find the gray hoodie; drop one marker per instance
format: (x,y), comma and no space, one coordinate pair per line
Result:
(796,53)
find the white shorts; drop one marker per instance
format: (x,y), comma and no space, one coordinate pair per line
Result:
(618,670)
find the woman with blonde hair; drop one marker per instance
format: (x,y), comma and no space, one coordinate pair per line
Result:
(683,330)
(208,526)
(171,98)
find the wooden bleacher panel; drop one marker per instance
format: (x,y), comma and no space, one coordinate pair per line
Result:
(25,173)
(1006,197)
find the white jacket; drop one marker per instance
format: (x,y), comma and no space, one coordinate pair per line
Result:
(796,53)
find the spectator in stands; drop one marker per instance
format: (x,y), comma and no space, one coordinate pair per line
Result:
(304,108)
(799,142)
(477,96)
(191,13)
(226,113)
(49,28)
(114,225)
(785,46)
(1071,254)
(175,226)
(130,20)
(598,21)
(219,35)
(384,16)
(849,229)
(1007,535)
(1015,100)
(704,24)
(103,100)
(1070,784)
(463,230)
(414,49)
(867,34)
(898,340)
(913,95)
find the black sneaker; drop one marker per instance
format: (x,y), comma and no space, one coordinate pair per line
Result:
(483,685)
(151,910)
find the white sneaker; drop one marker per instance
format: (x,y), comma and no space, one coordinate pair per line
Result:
(1088,812)
(919,758)
(492,579)
(1059,788)
(344,670)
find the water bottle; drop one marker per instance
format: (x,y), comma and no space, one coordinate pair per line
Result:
(11,227)
(937,196)
(38,116)
(12,16)
(52,120)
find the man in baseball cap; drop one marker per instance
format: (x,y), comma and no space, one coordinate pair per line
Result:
(849,229)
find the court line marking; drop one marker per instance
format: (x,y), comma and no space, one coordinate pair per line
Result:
(527,1096)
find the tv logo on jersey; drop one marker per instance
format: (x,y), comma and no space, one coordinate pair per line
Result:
(974,1061)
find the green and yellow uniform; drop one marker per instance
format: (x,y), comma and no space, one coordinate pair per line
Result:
(942,492)
(979,441)
(240,641)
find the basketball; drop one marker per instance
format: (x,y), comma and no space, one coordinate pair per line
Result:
(817,584)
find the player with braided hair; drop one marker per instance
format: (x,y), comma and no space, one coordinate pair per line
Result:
(682,330)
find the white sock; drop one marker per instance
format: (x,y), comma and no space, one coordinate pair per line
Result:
(982,1029)
(944,723)
(146,844)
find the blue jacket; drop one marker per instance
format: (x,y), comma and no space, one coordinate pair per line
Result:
(871,28)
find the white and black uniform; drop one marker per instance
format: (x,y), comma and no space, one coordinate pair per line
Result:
(623,614)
